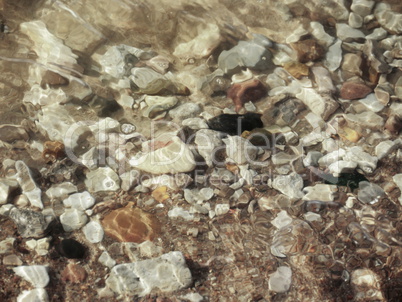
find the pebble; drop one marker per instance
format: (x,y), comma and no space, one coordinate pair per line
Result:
(281,220)
(388,19)
(365,161)
(394,124)
(290,185)
(281,280)
(71,248)
(322,192)
(7,186)
(7,245)
(221,209)
(355,20)
(157,106)
(369,193)
(30,223)
(180,212)
(12,260)
(61,190)
(185,111)
(12,133)
(247,91)
(312,158)
(342,166)
(333,58)
(354,91)
(102,179)
(235,124)
(34,295)
(74,273)
(28,185)
(106,260)
(73,219)
(386,147)
(37,275)
(372,103)
(79,201)
(240,150)
(362,7)
(348,34)
(168,273)
(195,123)
(208,142)
(130,224)
(93,232)
(366,285)
(308,50)
(317,30)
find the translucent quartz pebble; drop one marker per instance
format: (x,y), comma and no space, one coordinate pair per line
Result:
(369,193)
(281,280)
(34,295)
(73,219)
(317,30)
(148,81)
(391,21)
(366,285)
(239,150)
(347,33)
(166,273)
(281,220)
(61,190)
(290,185)
(174,158)
(342,166)
(35,274)
(322,106)
(323,79)
(221,209)
(312,158)
(320,192)
(93,232)
(386,147)
(80,201)
(202,45)
(28,185)
(158,105)
(102,179)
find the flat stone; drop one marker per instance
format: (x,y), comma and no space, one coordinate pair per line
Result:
(37,275)
(12,260)
(73,219)
(320,192)
(354,91)
(74,273)
(37,295)
(280,280)
(348,34)
(167,273)
(333,58)
(130,224)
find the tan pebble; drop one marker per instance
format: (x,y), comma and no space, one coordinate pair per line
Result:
(73,273)
(354,91)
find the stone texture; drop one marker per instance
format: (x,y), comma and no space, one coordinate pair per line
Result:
(73,273)
(354,91)
(308,50)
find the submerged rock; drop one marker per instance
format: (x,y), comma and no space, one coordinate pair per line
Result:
(28,185)
(281,280)
(308,50)
(35,274)
(235,124)
(354,91)
(37,295)
(248,91)
(102,179)
(30,223)
(167,273)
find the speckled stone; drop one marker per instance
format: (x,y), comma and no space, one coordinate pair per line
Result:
(130,224)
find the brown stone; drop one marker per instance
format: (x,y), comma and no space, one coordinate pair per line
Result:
(308,50)
(160,194)
(297,69)
(53,150)
(354,91)
(394,124)
(53,80)
(73,273)
(130,224)
(241,93)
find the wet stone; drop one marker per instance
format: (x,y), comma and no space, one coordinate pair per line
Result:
(369,193)
(308,50)
(37,275)
(235,124)
(12,260)
(247,91)
(102,179)
(71,248)
(12,133)
(93,232)
(7,186)
(37,295)
(30,223)
(106,260)
(7,245)
(354,91)
(73,219)
(73,273)
(281,280)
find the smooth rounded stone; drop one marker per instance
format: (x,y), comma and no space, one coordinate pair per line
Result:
(184,111)
(79,201)
(202,45)
(365,161)
(372,103)
(71,248)
(348,34)
(362,7)
(129,179)
(245,54)
(355,20)
(247,91)
(7,186)
(342,166)
(323,79)
(157,106)
(222,209)
(148,81)
(180,212)
(167,273)
(308,50)
(34,295)
(377,34)
(61,190)
(369,193)
(7,246)
(331,157)
(30,223)
(354,91)
(322,192)
(367,119)
(280,280)
(102,179)
(73,219)
(321,105)
(74,273)
(312,158)
(318,31)
(366,285)
(235,124)
(12,260)
(175,157)
(35,274)
(290,185)
(388,19)
(383,93)
(281,220)
(130,224)
(386,147)
(106,260)
(394,124)
(195,123)
(333,58)
(93,232)
(208,143)
(12,133)
(28,185)
(240,150)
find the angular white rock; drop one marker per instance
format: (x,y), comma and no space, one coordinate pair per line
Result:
(106,260)
(222,209)
(372,103)
(208,141)
(281,280)
(290,185)
(102,179)
(180,212)
(323,106)
(346,33)
(391,21)
(320,192)
(312,158)
(34,295)
(386,147)
(342,166)
(362,7)
(282,220)
(365,161)
(240,150)
(148,81)
(93,232)
(28,185)
(331,157)
(333,58)
(176,157)
(167,273)
(73,219)
(60,190)
(35,274)
(195,123)
(355,20)
(317,30)
(323,79)
(7,246)
(80,201)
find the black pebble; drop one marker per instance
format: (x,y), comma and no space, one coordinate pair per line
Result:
(235,124)
(71,248)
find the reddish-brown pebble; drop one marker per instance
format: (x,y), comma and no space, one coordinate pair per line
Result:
(241,93)
(73,273)
(308,50)
(354,91)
